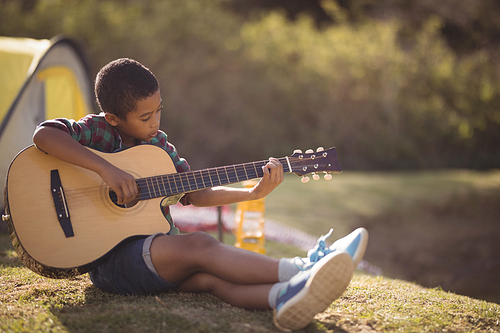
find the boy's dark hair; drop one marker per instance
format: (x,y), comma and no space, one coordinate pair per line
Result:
(121,83)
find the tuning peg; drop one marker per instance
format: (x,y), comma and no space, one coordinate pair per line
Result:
(328,176)
(315,176)
(304,179)
(320,149)
(309,151)
(297,151)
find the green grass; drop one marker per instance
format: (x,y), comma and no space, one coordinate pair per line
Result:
(33,304)
(30,303)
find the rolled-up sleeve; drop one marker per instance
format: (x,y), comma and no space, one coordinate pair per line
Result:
(92,131)
(78,131)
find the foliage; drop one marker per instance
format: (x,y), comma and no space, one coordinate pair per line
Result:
(386,106)
(237,90)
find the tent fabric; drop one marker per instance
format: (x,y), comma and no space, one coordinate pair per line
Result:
(16,57)
(39,79)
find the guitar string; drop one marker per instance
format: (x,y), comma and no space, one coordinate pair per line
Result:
(194,180)
(184,179)
(211,174)
(202,177)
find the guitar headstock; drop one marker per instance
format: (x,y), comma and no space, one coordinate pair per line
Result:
(322,160)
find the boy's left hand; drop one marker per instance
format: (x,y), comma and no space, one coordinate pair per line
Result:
(273,176)
(222,195)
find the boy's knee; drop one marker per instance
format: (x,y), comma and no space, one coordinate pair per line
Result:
(201,239)
(202,282)
(207,282)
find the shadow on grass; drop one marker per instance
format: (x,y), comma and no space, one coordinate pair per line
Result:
(169,312)
(104,312)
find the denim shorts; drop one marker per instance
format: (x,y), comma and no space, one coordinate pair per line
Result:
(129,270)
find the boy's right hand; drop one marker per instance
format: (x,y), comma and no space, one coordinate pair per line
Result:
(121,182)
(60,144)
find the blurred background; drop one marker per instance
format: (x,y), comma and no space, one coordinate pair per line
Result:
(395,85)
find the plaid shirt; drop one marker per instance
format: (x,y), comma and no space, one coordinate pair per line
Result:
(95,132)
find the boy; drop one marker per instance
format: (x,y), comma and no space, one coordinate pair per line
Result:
(129,97)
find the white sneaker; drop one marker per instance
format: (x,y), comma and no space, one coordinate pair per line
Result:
(355,244)
(312,291)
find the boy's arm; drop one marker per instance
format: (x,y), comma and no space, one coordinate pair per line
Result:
(219,196)
(60,144)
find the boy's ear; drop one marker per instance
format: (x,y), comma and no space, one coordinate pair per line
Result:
(111,119)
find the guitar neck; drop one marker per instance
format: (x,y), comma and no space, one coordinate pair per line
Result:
(184,182)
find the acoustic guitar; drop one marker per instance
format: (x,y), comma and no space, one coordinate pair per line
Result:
(64,220)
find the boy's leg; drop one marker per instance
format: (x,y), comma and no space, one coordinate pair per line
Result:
(176,258)
(245,279)
(296,301)
(248,296)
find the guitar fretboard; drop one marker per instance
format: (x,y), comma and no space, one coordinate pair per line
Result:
(183,182)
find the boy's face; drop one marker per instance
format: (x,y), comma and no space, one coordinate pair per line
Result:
(142,123)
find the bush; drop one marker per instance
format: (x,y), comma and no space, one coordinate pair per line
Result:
(239,90)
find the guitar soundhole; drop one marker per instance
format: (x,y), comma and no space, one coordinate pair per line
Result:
(114,199)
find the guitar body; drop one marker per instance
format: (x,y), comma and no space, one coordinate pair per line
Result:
(98,225)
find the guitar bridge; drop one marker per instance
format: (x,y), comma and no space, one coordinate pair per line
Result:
(60,203)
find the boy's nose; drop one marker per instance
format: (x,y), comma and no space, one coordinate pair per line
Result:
(155,121)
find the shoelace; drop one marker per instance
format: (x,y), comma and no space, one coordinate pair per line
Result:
(316,253)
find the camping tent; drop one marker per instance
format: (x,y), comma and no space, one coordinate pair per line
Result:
(39,79)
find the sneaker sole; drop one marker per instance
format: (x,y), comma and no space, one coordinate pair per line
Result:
(360,251)
(329,281)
